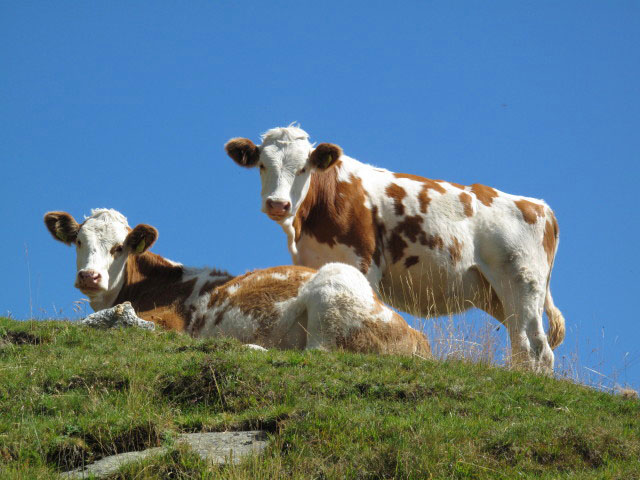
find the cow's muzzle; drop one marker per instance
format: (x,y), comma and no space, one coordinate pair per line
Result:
(88,281)
(277,209)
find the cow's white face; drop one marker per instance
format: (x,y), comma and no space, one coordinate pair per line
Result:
(286,161)
(103,242)
(100,254)
(285,174)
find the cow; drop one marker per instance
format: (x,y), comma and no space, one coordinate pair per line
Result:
(428,247)
(282,307)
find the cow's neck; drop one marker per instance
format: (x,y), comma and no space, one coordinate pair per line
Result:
(335,212)
(146,277)
(319,208)
(152,281)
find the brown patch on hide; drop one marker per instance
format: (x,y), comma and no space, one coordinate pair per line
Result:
(465,198)
(394,337)
(156,290)
(454,184)
(210,287)
(432,241)
(550,238)
(433,184)
(424,199)
(484,194)
(397,193)
(410,227)
(257,292)
(427,184)
(335,213)
(411,261)
(530,211)
(171,317)
(455,250)
(396,247)
(379,231)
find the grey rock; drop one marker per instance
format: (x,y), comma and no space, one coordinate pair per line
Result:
(109,465)
(122,315)
(215,447)
(225,447)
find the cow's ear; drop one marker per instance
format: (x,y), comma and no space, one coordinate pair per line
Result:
(325,155)
(243,151)
(62,226)
(141,238)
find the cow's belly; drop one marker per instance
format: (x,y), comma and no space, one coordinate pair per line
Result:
(287,330)
(314,254)
(429,282)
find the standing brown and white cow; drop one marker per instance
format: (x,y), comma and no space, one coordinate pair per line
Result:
(429,247)
(284,307)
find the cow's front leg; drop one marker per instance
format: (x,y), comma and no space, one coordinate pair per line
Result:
(287,226)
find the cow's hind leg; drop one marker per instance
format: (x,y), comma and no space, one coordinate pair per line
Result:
(334,300)
(522,294)
(482,295)
(343,312)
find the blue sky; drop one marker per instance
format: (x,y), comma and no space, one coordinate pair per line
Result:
(128,105)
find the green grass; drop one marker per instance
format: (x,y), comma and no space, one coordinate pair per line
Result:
(70,395)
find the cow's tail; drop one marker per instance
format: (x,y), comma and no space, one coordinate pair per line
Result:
(556,319)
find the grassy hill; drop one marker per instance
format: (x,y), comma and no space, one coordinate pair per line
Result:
(70,395)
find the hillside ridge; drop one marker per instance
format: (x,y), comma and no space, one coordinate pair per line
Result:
(70,395)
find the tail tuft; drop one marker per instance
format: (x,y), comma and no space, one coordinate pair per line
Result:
(556,322)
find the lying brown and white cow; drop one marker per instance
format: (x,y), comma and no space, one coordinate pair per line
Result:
(284,307)
(429,247)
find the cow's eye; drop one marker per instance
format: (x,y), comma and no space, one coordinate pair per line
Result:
(301,171)
(116,249)
(78,243)
(261,167)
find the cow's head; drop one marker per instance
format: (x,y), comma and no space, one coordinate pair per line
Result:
(103,243)
(286,161)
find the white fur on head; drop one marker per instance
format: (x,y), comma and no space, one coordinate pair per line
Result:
(97,250)
(292,133)
(107,214)
(284,168)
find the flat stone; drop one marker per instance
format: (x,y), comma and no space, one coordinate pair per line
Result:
(109,465)
(214,447)
(122,315)
(225,447)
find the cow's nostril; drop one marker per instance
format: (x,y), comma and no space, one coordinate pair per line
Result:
(278,207)
(89,276)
